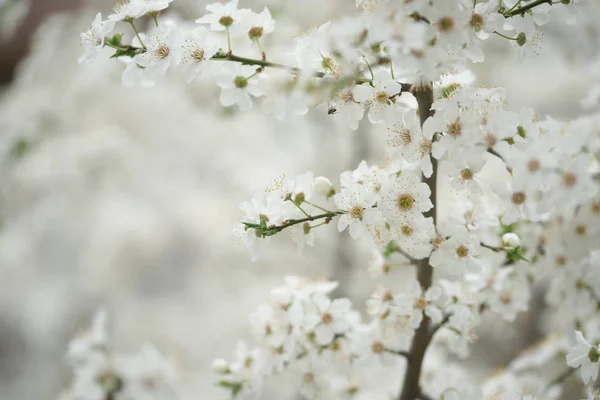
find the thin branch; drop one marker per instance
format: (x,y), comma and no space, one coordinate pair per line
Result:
(404,354)
(526,7)
(493,248)
(271,230)
(437,327)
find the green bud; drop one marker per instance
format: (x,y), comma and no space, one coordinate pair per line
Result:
(521,39)
(240,82)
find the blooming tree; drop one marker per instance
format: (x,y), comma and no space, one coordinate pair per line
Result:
(403,66)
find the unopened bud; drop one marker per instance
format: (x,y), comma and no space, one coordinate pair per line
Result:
(322,186)
(220,366)
(511,240)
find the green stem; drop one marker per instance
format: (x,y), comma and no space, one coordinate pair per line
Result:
(317,206)
(504,36)
(137,34)
(300,208)
(517,4)
(525,8)
(228,40)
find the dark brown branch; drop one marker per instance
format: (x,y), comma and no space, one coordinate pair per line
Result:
(411,389)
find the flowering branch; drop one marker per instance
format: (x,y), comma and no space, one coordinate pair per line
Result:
(263,230)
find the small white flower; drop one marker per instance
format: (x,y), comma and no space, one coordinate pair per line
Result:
(163,49)
(328,318)
(358,203)
(92,39)
(222,16)
(198,48)
(511,240)
(404,199)
(378,94)
(586,356)
(128,10)
(153,6)
(237,87)
(458,254)
(407,140)
(257,25)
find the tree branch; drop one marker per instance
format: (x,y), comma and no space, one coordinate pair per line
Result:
(411,389)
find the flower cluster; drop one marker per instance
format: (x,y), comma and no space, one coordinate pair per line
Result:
(522,191)
(100,374)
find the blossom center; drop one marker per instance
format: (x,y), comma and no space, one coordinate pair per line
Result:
(405,202)
(327,318)
(594,354)
(518,198)
(425,146)
(446,24)
(406,230)
(569,179)
(377,347)
(255,32)
(466,174)
(226,21)
(580,230)
(533,165)
(346,96)
(162,51)
(198,54)
(240,82)
(357,212)
(455,129)
(381,97)
(462,251)
(476,22)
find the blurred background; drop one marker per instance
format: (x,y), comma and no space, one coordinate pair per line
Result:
(126,197)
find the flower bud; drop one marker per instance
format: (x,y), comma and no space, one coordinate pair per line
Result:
(323,186)
(521,39)
(220,366)
(511,240)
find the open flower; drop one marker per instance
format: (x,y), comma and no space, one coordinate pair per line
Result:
(586,356)
(92,39)
(222,16)
(162,50)
(128,10)
(197,49)
(358,201)
(237,85)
